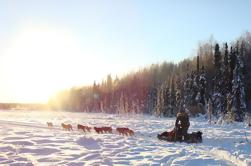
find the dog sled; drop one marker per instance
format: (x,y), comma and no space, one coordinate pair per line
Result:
(174,136)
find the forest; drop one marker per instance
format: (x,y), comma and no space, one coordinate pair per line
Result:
(219,75)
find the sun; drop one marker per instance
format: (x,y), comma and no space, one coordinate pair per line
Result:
(40,61)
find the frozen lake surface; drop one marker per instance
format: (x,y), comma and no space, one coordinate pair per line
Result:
(25,139)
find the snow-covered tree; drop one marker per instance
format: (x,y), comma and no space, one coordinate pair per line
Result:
(172,107)
(202,85)
(151,101)
(167,100)
(160,102)
(209,111)
(188,83)
(217,95)
(238,90)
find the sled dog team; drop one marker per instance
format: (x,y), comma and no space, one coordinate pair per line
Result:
(179,133)
(100,130)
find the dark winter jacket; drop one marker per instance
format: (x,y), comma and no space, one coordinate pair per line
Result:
(182,120)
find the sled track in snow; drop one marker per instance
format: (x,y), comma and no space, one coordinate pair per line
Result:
(59,128)
(41,126)
(29,125)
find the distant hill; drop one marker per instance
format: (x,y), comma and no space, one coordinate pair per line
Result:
(23,106)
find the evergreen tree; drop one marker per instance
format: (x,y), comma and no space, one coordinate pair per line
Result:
(198,64)
(121,103)
(217,57)
(226,74)
(226,57)
(202,86)
(173,110)
(226,80)
(160,102)
(238,90)
(217,97)
(194,89)
(232,62)
(188,83)
(179,103)
(151,100)
(165,99)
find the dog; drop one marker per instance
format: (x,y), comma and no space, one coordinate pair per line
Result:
(167,136)
(88,128)
(122,130)
(194,137)
(49,124)
(130,132)
(98,130)
(101,130)
(66,126)
(84,128)
(125,131)
(81,127)
(106,129)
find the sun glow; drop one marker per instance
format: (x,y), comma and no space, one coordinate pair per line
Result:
(40,61)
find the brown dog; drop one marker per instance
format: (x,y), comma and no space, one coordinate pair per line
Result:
(98,130)
(84,128)
(106,129)
(125,131)
(130,132)
(122,130)
(49,124)
(67,126)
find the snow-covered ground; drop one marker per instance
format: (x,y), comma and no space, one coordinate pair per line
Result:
(25,139)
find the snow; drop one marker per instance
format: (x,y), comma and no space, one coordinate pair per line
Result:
(25,139)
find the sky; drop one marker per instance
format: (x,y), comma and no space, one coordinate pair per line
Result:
(50,45)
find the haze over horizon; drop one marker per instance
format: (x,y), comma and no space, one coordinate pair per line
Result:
(46,46)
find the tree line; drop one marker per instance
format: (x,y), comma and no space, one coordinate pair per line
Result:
(220,74)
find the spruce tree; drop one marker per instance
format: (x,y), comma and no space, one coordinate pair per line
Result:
(166,97)
(188,83)
(232,62)
(226,81)
(217,57)
(160,102)
(173,98)
(226,75)
(226,57)
(198,64)
(151,100)
(217,97)
(202,86)
(238,89)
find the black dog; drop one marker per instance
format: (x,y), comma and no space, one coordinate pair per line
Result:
(194,137)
